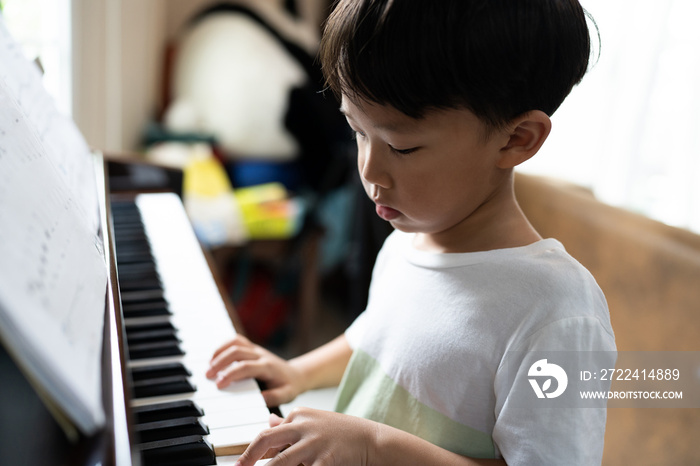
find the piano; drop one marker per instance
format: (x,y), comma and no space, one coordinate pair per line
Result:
(164,317)
(109,312)
(173,320)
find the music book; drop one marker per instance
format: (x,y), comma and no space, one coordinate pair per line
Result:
(53,274)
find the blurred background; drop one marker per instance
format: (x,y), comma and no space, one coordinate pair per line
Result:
(629,131)
(229,93)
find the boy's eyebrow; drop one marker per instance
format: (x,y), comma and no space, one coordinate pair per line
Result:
(391,127)
(344,111)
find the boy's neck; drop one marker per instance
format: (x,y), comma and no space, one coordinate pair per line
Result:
(497,224)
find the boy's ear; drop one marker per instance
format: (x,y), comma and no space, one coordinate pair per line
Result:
(528,133)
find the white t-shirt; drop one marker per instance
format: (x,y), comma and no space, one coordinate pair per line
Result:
(435,349)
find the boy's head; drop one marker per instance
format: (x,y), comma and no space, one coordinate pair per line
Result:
(496,58)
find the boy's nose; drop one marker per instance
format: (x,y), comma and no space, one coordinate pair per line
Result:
(372,168)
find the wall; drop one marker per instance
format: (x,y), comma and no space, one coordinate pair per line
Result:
(117,61)
(119,50)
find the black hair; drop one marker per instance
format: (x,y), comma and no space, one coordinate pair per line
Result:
(497,58)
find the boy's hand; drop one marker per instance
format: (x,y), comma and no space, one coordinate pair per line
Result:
(241,359)
(309,436)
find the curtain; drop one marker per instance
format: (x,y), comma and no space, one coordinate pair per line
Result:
(631,130)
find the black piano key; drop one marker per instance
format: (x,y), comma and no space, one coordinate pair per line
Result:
(128,270)
(150,312)
(143,296)
(125,219)
(131,274)
(161,386)
(154,301)
(163,380)
(137,272)
(155,350)
(137,327)
(134,256)
(184,451)
(128,224)
(125,216)
(155,334)
(145,310)
(143,284)
(131,250)
(134,245)
(159,370)
(133,233)
(169,410)
(122,204)
(171,428)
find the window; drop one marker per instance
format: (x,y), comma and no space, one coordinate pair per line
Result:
(631,130)
(43,29)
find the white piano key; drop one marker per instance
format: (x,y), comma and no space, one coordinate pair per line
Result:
(242,386)
(208,389)
(154,361)
(231,460)
(238,412)
(233,440)
(197,361)
(224,400)
(243,401)
(236,417)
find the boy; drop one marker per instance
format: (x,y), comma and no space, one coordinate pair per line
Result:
(445,97)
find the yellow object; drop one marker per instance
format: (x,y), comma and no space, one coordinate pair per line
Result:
(223,215)
(209,200)
(268,212)
(204,176)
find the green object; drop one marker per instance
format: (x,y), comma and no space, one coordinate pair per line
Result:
(156,133)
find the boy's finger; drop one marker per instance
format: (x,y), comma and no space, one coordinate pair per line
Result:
(231,355)
(275,420)
(270,439)
(238,339)
(276,396)
(239,371)
(221,348)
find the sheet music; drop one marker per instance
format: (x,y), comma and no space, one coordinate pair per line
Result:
(52,271)
(57,134)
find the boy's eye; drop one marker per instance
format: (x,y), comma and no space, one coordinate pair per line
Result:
(360,135)
(403,151)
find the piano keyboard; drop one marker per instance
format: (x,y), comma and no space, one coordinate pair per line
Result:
(174,319)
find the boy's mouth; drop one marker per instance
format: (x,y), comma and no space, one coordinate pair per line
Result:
(387,213)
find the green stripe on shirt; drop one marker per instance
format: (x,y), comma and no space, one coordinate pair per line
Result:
(367,392)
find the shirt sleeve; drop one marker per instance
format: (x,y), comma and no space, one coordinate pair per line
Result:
(354,332)
(535,429)
(357,328)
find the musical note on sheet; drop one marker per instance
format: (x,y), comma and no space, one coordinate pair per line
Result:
(52,271)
